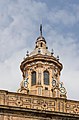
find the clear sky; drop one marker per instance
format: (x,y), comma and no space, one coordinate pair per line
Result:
(19,28)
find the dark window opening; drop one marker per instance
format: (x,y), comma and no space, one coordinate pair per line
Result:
(33,81)
(39,51)
(46,77)
(46,88)
(41,44)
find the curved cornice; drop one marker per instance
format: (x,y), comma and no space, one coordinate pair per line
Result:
(40,57)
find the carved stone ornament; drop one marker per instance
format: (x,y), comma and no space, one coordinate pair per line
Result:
(62,89)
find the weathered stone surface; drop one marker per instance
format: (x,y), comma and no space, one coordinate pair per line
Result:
(18,106)
(14,113)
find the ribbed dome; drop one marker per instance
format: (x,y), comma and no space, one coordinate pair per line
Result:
(40,38)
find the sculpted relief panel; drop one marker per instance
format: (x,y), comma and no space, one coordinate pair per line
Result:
(72,107)
(31,102)
(39,103)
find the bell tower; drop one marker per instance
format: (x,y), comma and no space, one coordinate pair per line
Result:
(41,72)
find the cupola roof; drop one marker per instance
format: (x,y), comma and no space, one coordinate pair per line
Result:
(41,46)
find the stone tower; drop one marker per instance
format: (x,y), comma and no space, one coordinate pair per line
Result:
(41,72)
(41,95)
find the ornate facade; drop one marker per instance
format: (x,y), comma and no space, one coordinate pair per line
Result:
(41,95)
(41,72)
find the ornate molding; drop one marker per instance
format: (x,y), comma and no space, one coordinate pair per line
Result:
(39,103)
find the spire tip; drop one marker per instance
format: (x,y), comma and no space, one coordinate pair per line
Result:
(41,29)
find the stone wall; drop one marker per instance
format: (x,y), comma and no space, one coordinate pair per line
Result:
(18,113)
(17,106)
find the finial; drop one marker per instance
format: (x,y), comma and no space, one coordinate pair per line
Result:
(41,29)
(61,84)
(27,53)
(58,57)
(52,52)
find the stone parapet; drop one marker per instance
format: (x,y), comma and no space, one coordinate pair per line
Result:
(38,102)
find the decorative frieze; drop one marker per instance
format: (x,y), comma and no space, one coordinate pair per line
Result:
(39,102)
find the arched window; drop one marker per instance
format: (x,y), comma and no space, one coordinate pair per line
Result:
(41,44)
(46,77)
(33,80)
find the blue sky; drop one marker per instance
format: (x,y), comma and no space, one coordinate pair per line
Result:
(19,28)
